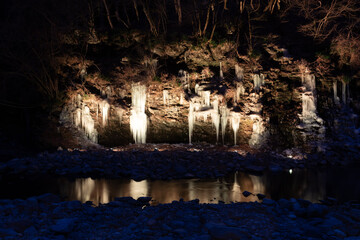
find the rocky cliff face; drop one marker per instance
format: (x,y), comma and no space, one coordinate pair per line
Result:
(199,94)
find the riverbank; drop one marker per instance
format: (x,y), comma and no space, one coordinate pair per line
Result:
(163,161)
(47,217)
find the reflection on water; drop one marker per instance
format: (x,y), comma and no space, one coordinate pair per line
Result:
(309,185)
(313,185)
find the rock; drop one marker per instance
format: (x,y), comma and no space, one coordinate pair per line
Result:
(144,200)
(30,232)
(246,193)
(20,225)
(226,233)
(64,225)
(316,210)
(48,198)
(260,196)
(7,232)
(339,233)
(268,202)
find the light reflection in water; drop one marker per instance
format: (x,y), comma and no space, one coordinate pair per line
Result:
(227,189)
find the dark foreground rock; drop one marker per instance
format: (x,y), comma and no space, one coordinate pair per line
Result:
(149,162)
(127,218)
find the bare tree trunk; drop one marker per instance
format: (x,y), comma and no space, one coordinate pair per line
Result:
(108,14)
(178,10)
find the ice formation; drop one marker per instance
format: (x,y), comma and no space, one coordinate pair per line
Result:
(165,97)
(343,92)
(105,107)
(258,131)
(336,98)
(215,118)
(235,122)
(240,90)
(308,107)
(88,124)
(239,73)
(259,80)
(191,119)
(221,72)
(308,80)
(138,118)
(224,112)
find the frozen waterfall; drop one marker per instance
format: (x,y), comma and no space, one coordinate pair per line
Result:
(215,118)
(308,107)
(88,124)
(105,106)
(235,122)
(138,118)
(191,119)
(225,112)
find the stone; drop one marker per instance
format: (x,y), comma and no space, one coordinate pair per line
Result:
(48,198)
(260,196)
(30,232)
(268,202)
(246,193)
(64,225)
(316,210)
(7,232)
(339,233)
(226,233)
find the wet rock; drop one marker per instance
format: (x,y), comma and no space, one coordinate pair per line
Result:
(339,233)
(268,202)
(226,233)
(246,193)
(8,232)
(20,225)
(260,196)
(48,198)
(30,232)
(64,225)
(316,210)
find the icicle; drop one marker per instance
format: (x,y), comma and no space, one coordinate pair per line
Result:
(239,73)
(191,119)
(105,106)
(344,92)
(77,117)
(205,96)
(181,98)
(224,111)
(235,122)
(88,124)
(215,117)
(257,82)
(197,88)
(138,118)
(336,98)
(221,72)
(165,97)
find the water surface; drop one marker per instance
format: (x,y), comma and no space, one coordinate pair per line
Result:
(311,185)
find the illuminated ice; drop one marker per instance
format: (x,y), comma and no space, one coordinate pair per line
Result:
(224,112)
(138,118)
(235,122)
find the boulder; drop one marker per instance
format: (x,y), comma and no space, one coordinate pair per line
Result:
(64,225)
